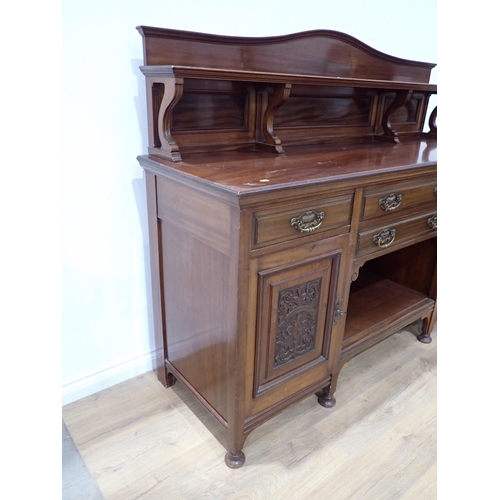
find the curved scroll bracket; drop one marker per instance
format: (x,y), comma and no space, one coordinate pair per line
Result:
(355,270)
(163,95)
(389,135)
(271,141)
(433,122)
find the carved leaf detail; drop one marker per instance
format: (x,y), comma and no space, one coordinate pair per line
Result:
(297,318)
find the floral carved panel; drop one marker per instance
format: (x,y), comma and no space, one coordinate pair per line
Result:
(297,320)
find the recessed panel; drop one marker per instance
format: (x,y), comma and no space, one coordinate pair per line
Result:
(211,111)
(297,322)
(324,111)
(293,314)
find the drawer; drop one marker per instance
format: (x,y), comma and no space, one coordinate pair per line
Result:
(287,222)
(395,232)
(393,198)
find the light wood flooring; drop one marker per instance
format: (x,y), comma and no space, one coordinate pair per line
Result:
(142,441)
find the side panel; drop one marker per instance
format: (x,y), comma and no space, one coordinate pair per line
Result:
(156,281)
(199,279)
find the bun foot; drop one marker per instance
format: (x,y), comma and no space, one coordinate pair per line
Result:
(424,338)
(234,461)
(326,401)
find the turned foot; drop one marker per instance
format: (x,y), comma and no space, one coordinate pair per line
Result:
(425,334)
(325,396)
(327,401)
(425,338)
(234,461)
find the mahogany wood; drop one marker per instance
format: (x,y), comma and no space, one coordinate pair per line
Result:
(285,237)
(156,284)
(209,92)
(317,52)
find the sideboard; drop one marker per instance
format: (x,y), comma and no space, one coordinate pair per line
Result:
(292,207)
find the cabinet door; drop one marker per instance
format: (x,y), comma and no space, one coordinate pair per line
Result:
(298,291)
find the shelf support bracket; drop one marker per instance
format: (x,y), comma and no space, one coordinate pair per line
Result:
(271,141)
(388,135)
(433,122)
(163,94)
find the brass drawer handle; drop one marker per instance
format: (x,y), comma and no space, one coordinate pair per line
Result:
(433,222)
(385,238)
(390,202)
(308,222)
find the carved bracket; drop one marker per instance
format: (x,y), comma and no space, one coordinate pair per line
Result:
(355,270)
(433,122)
(163,95)
(402,97)
(272,143)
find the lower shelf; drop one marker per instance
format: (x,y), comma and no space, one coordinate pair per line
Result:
(379,310)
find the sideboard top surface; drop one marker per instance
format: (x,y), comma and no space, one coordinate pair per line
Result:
(249,172)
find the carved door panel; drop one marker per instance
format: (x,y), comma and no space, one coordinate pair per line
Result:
(296,318)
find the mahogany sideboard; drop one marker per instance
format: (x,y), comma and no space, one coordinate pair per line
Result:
(292,205)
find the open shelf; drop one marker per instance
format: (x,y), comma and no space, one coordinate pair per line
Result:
(269,78)
(378,310)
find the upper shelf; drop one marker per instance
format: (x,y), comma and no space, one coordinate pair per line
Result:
(264,77)
(216,93)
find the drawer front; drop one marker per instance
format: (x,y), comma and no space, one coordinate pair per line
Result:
(395,232)
(393,198)
(299,220)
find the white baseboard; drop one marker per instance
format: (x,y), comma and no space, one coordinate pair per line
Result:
(95,382)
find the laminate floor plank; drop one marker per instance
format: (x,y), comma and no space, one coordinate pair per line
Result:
(94,416)
(365,424)
(384,404)
(77,482)
(424,487)
(392,463)
(376,363)
(142,441)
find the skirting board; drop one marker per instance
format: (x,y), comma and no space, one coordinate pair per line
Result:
(95,382)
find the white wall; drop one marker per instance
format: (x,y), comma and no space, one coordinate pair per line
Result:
(107,318)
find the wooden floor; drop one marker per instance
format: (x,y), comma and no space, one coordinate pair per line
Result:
(142,441)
